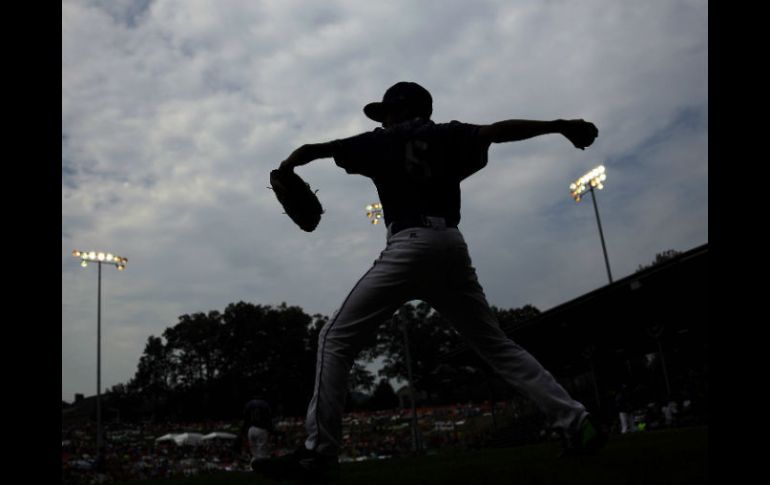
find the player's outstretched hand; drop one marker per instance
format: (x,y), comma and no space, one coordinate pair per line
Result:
(580,132)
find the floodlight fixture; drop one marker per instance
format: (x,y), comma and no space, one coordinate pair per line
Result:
(374,212)
(587,183)
(100,257)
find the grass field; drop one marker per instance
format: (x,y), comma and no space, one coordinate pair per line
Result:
(678,456)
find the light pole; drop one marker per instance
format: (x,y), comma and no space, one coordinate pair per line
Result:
(588,182)
(416,441)
(120,263)
(374,212)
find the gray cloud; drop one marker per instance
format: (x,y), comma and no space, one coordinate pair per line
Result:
(124,12)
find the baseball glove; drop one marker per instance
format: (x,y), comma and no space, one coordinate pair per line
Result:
(297,199)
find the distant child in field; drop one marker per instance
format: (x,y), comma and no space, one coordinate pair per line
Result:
(625,409)
(670,411)
(256,430)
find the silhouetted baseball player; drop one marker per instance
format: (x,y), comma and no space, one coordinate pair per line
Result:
(417,166)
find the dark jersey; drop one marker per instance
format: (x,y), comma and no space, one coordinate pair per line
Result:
(257,413)
(417,166)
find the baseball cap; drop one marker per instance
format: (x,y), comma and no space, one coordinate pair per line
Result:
(401,94)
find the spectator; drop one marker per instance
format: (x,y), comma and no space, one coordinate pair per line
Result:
(625,409)
(669,413)
(256,430)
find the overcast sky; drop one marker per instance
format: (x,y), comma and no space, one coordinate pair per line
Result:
(174,112)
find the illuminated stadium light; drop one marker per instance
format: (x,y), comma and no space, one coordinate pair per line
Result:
(591,180)
(106,258)
(587,183)
(374,212)
(119,262)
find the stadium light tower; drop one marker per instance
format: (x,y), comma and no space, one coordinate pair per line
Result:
(416,439)
(588,182)
(374,212)
(120,263)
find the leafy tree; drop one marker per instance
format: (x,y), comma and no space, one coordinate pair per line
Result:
(430,338)
(360,379)
(384,397)
(152,381)
(193,350)
(443,365)
(513,317)
(154,373)
(660,258)
(211,363)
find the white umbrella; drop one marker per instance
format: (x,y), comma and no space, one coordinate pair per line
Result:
(166,437)
(188,438)
(220,434)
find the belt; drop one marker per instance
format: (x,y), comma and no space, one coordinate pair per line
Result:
(420,221)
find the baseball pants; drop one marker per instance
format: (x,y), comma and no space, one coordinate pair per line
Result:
(432,265)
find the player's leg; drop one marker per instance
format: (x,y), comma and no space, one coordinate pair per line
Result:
(458,296)
(373,299)
(385,287)
(476,322)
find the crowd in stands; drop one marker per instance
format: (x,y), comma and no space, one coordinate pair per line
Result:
(131,451)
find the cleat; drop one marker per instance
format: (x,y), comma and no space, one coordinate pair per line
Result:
(588,440)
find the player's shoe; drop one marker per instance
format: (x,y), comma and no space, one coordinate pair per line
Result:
(305,465)
(588,439)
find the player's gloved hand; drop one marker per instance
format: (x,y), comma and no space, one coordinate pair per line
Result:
(580,132)
(297,198)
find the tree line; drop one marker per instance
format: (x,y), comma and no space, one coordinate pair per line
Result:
(207,365)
